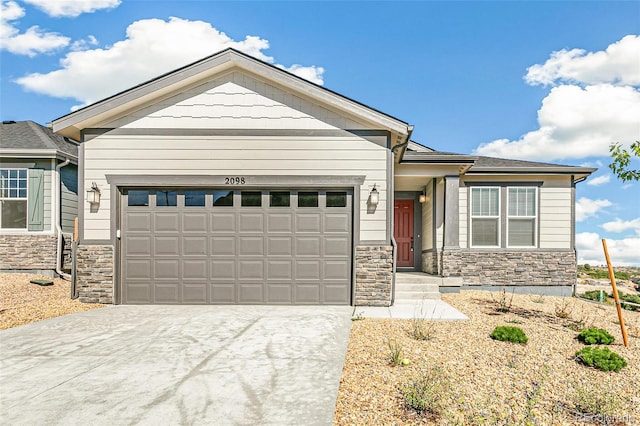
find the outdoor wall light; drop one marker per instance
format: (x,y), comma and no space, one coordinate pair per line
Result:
(93,194)
(374,196)
(422,198)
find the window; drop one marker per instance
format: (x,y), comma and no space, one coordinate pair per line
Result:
(485,217)
(137,197)
(521,224)
(279,199)
(13,198)
(251,199)
(166,198)
(336,199)
(223,198)
(307,199)
(194,198)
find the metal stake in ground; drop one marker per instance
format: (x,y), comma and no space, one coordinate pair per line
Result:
(615,294)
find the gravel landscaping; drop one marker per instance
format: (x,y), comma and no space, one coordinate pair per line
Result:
(22,302)
(478,380)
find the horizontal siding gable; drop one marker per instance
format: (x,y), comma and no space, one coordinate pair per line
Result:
(236,100)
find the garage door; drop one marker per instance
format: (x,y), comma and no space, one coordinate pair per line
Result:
(221,246)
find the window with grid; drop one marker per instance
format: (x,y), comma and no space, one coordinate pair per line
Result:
(485,217)
(13,198)
(521,213)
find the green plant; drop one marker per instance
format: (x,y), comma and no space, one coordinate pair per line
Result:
(358,317)
(395,352)
(593,336)
(425,392)
(564,308)
(509,334)
(538,299)
(630,298)
(595,295)
(601,358)
(592,400)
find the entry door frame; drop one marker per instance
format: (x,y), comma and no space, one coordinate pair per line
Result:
(417,227)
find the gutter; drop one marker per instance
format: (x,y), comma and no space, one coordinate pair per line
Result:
(57,222)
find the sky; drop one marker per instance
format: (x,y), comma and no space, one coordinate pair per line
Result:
(550,81)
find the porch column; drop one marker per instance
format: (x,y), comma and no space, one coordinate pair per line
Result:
(451,212)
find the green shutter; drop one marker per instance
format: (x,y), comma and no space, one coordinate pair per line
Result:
(36,199)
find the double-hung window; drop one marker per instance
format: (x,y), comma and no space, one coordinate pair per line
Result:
(521,212)
(13,198)
(485,217)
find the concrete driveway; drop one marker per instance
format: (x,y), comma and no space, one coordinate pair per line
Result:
(176,365)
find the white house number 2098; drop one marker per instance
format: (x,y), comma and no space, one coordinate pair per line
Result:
(234,180)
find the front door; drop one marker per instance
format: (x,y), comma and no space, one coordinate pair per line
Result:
(403,231)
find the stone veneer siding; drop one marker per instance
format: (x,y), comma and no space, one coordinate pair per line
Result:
(28,252)
(374,274)
(517,268)
(94,273)
(430,262)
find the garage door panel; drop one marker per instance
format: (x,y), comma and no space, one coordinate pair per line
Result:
(167,222)
(308,246)
(194,246)
(195,270)
(195,293)
(336,222)
(307,270)
(138,293)
(223,246)
(279,270)
(279,246)
(138,222)
(336,293)
(309,222)
(279,293)
(251,246)
(166,269)
(251,270)
(251,222)
(280,222)
(336,269)
(138,246)
(307,293)
(223,293)
(250,293)
(222,222)
(336,246)
(194,222)
(167,292)
(223,270)
(167,246)
(137,269)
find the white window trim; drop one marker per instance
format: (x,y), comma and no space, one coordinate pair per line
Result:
(498,217)
(26,228)
(535,218)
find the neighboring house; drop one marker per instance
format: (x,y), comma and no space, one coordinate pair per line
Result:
(232,181)
(38,189)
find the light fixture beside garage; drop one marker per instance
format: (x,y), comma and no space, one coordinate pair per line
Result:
(93,194)
(374,196)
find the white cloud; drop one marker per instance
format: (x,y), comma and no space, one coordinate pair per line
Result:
(599,180)
(582,119)
(621,252)
(84,44)
(618,64)
(586,207)
(620,225)
(72,8)
(29,43)
(576,122)
(151,48)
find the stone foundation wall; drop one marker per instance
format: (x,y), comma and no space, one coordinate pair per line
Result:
(67,239)
(374,274)
(94,273)
(510,268)
(430,262)
(27,252)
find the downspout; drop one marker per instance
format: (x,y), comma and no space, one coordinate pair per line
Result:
(58,218)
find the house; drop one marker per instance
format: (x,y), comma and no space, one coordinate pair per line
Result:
(232,181)
(38,198)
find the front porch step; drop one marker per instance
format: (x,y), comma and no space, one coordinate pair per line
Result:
(416,295)
(417,278)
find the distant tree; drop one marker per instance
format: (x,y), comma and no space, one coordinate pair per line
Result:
(622,160)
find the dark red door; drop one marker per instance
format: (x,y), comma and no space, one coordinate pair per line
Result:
(403,231)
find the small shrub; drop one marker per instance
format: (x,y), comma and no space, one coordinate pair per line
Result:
(595,336)
(564,308)
(592,400)
(426,392)
(601,358)
(420,329)
(503,302)
(395,352)
(509,334)
(630,298)
(595,295)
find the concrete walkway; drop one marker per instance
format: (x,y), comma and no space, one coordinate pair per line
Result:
(176,365)
(433,310)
